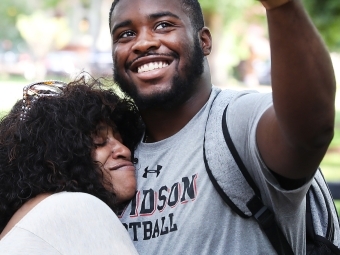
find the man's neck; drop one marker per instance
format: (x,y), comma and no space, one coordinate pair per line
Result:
(161,123)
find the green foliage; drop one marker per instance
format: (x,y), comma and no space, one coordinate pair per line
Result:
(224,6)
(55,31)
(50,3)
(330,165)
(9,11)
(229,9)
(336,139)
(87,3)
(326,17)
(337,205)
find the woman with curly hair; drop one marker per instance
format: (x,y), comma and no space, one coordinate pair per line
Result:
(64,170)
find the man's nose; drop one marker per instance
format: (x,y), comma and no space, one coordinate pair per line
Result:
(146,41)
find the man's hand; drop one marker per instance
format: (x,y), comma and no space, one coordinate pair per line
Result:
(271,4)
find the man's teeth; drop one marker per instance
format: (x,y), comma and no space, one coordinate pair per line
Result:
(151,66)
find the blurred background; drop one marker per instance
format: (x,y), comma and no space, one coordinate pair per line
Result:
(58,39)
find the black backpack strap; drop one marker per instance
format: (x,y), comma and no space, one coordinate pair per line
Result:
(310,233)
(236,156)
(330,225)
(263,215)
(319,191)
(217,187)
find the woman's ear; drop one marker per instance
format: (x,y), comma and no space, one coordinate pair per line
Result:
(205,40)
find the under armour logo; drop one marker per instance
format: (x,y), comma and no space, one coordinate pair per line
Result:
(151,171)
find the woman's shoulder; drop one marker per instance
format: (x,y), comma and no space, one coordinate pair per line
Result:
(55,205)
(22,212)
(46,211)
(63,204)
(67,216)
(68,198)
(60,201)
(79,221)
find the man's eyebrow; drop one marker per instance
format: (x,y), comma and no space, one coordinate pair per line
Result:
(121,24)
(151,16)
(162,14)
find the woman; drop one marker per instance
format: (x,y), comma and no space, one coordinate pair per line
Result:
(64,170)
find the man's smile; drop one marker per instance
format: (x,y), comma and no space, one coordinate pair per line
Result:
(150,62)
(152,66)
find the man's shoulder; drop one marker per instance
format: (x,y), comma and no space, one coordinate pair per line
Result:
(220,98)
(229,94)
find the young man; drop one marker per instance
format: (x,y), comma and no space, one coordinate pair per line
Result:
(159,50)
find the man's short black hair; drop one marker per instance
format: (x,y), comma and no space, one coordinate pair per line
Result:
(191,7)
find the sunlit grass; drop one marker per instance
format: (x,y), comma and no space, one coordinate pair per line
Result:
(337,205)
(330,165)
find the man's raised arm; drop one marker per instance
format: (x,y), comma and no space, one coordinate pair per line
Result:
(293,135)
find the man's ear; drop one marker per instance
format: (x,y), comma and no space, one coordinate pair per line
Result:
(205,40)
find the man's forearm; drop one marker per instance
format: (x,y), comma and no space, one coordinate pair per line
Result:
(303,79)
(294,134)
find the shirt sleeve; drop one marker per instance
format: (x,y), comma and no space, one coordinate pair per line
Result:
(243,116)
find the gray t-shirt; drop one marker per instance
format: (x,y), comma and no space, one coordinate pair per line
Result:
(177,209)
(68,223)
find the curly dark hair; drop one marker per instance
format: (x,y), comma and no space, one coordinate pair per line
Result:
(51,150)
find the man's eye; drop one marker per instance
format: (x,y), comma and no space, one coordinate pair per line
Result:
(126,34)
(162,25)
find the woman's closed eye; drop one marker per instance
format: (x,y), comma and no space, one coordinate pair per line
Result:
(99,141)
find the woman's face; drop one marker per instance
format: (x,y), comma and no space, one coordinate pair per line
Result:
(115,161)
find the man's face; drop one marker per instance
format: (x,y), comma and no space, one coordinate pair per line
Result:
(157,54)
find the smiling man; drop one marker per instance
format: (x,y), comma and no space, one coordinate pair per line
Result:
(159,49)
(173,66)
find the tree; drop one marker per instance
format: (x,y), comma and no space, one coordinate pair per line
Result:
(326,17)
(9,11)
(228,21)
(49,33)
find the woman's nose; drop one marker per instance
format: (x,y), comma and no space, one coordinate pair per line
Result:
(119,150)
